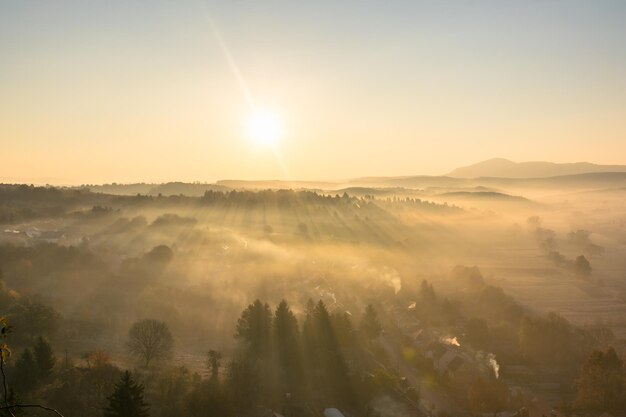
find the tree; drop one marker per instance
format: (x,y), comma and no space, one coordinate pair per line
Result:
(253,362)
(582,267)
(600,385)
(150,340)
(25,372)
(44,358)
(253,327)
(11,403)
(370,325)
(169,390)
(214,360)
(549,340)
(285,327)
(327,355)
(427,292)
(127,399)
(287,342)
(34,319)
(159,254)
(342,325)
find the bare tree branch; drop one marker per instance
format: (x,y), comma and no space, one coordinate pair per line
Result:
(4,383)
(10,407)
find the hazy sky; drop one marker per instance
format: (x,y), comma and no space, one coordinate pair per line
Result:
(102,91)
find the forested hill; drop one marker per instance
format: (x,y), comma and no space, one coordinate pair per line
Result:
(304,215)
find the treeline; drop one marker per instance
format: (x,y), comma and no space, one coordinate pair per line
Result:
(279,198)
(579,239)
(22,202)
(279,364)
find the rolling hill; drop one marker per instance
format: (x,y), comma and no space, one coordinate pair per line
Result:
(503,168)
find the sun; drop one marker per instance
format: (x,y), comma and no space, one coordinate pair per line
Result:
(265,127)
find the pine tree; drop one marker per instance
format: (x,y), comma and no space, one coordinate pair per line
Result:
(44,358)
(287,349)
(254,327)
(330,356)
(127,399)
(343,328)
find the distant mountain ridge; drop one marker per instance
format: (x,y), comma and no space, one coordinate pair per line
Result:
(504,168)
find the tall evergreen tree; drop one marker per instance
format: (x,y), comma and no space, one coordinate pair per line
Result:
(127,399)
(343,329)
(253,362)
(44,358)
(330,357)
(287,348)
(254,327)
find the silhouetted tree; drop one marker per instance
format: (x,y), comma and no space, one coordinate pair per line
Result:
(44,358)
(244,383)
(150,340)
(343,328)
(159,254)
(582,267)
(328,356)
(550,340)
(34,319)
(214,360)
(254,326)
(427,292)
(208,400)
(600,385)
(127,399)
(287,340)
(168,389)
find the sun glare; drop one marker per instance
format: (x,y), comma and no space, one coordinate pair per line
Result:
(265,127)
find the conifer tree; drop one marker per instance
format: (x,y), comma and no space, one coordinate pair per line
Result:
(44,358)
(287,349)
(127,399)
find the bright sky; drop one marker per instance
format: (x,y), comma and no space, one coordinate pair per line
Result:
(129,91)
